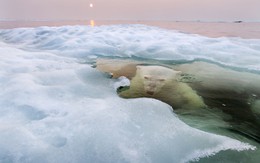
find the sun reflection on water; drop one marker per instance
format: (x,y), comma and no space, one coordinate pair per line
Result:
(92,23)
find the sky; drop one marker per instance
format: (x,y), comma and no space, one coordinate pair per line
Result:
(172,10)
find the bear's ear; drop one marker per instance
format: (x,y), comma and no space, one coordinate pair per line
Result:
(147,77)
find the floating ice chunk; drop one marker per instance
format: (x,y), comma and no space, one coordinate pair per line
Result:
(122,81)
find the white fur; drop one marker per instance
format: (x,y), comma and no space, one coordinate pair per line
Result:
(154,77)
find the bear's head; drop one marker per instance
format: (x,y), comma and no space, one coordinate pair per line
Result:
(155,77)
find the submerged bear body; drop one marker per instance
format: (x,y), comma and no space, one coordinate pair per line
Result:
(222,94)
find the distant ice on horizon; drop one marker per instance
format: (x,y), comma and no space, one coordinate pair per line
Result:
(139,41)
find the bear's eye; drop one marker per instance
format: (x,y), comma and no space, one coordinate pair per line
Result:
(161,80)
(146,77)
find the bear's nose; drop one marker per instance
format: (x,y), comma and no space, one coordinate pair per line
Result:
(150,92)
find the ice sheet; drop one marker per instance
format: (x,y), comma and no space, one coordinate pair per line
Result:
(55,109)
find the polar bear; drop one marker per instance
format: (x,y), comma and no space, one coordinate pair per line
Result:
(224,91)
(162,83)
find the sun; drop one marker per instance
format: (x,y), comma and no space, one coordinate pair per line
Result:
(91,5)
